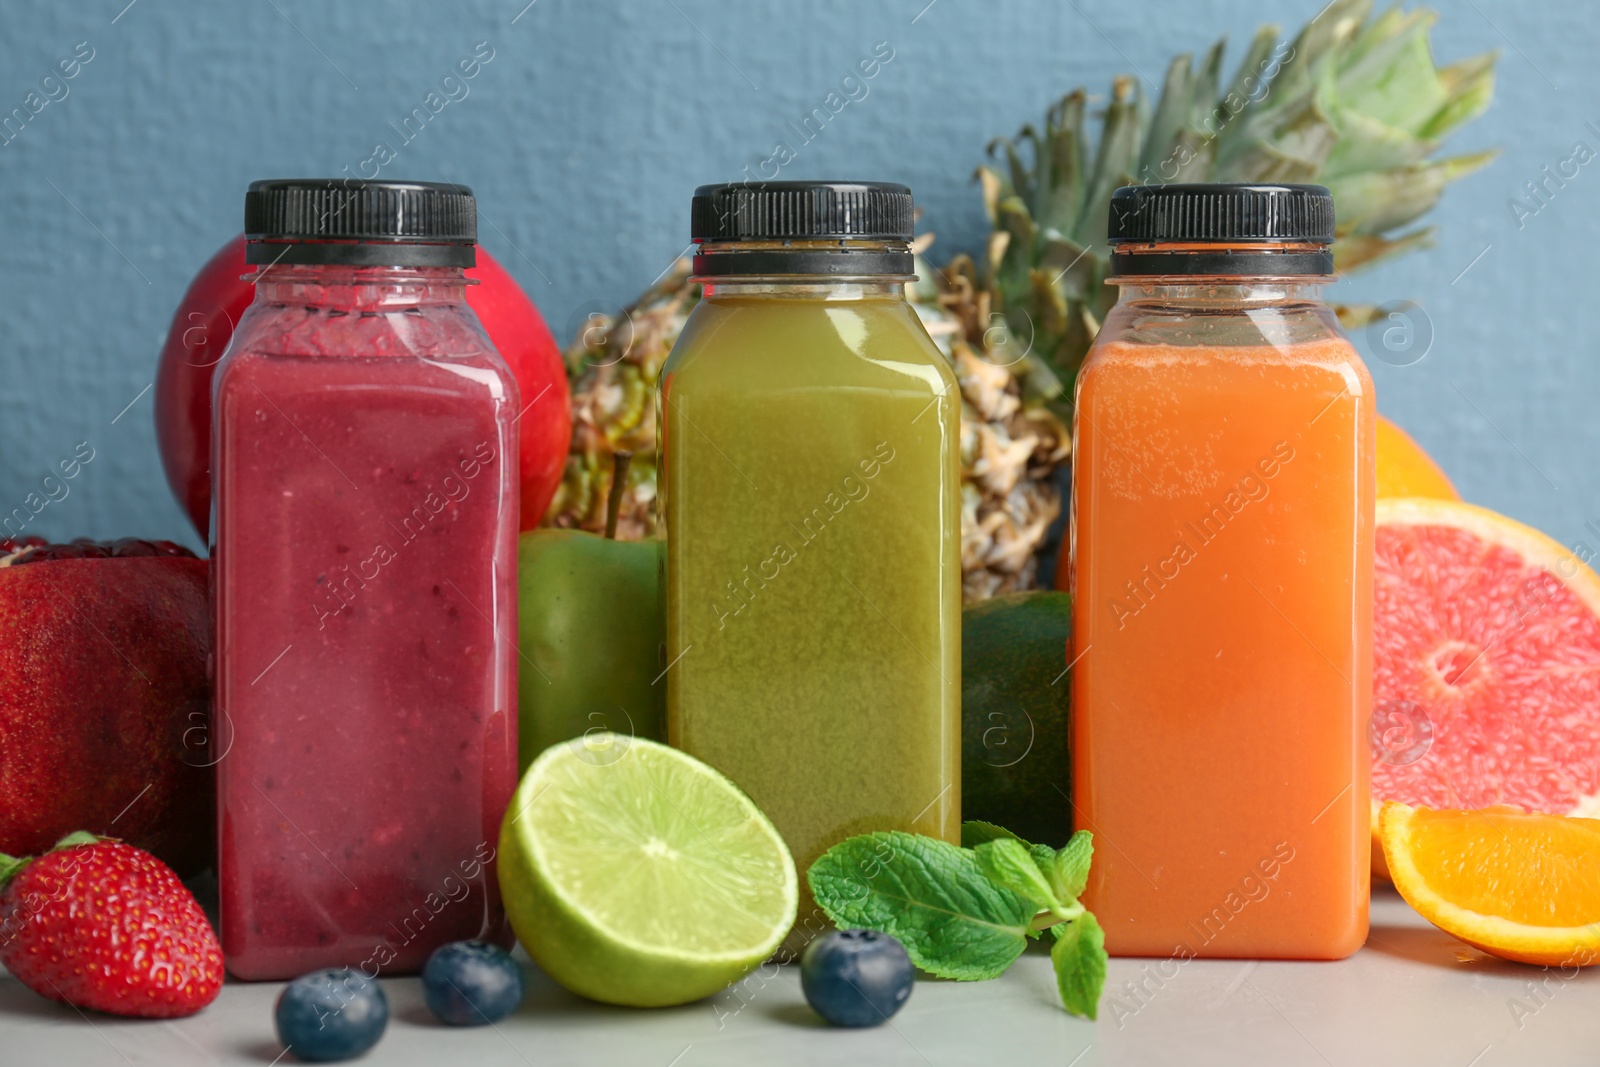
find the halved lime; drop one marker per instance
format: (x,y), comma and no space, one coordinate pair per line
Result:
(635,874)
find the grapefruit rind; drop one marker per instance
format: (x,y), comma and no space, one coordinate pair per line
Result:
(1550,946)
(1538,549)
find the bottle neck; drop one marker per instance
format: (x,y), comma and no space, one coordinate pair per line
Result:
(350,288)
(850,269)
(1253,271)
(802,287)
(1202,294)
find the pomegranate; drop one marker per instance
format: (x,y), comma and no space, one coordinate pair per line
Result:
(204,322)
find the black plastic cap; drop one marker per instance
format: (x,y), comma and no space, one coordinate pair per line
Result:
(803,211)
(360,223)
(1221,214)
(777,211)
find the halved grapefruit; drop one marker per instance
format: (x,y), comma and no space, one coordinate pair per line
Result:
(1486,663)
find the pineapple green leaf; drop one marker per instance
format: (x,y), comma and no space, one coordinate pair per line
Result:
(1061,198)
(1469,86)
(1170,116)
(1021,177)
(1354,100)
(1071,269)
(1330,31)
(1379,201)
(1203,87)
(1359,251)
(1049,318)
(1398,81)
(999,243)
(1039,382)
(1116,159)
(1355,317)
(1252,82)
(1366,144)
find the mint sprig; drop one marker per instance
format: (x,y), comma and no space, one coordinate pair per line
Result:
(967,912)
(1079,957)
(932,896)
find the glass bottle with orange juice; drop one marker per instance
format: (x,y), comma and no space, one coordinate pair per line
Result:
(1222,525)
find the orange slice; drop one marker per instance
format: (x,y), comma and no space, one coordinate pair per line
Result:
(1519,885)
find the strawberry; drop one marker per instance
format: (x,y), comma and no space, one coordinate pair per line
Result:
(99,924)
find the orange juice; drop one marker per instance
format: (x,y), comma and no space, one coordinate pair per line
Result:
(1223,543)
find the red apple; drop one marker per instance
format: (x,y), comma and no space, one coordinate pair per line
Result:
(211,308)
(105,718)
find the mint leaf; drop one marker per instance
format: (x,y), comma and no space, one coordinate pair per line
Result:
(1069,868)
(1079,957)
(975,832)
(930,895)
(1007,862)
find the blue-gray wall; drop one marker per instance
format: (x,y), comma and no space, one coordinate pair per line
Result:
(586,132)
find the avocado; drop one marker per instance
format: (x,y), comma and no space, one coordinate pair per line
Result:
(1016,763)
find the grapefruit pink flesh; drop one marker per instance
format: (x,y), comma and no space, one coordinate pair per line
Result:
(1486,663)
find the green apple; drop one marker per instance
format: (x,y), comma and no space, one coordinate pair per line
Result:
(589,628)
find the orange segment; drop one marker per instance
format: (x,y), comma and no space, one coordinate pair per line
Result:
(1519,885)
(1380,865)
(1404,469)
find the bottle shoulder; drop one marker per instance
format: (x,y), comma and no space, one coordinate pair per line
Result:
(314,341)
(1302,333)
(475,384)
(849,342)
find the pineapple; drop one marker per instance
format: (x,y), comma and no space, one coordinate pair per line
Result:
(613,365)
(1354,103)
(1011,443)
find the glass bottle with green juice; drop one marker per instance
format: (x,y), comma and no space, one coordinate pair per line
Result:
(809,436)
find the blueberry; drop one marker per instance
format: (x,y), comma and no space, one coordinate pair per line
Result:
(331,1015)
(470,983)
(856,977)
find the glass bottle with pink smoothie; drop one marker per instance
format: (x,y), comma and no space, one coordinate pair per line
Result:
(365,522)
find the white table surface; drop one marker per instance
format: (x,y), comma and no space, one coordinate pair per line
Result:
(1413,996)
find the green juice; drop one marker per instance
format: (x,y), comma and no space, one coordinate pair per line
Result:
(813,582)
